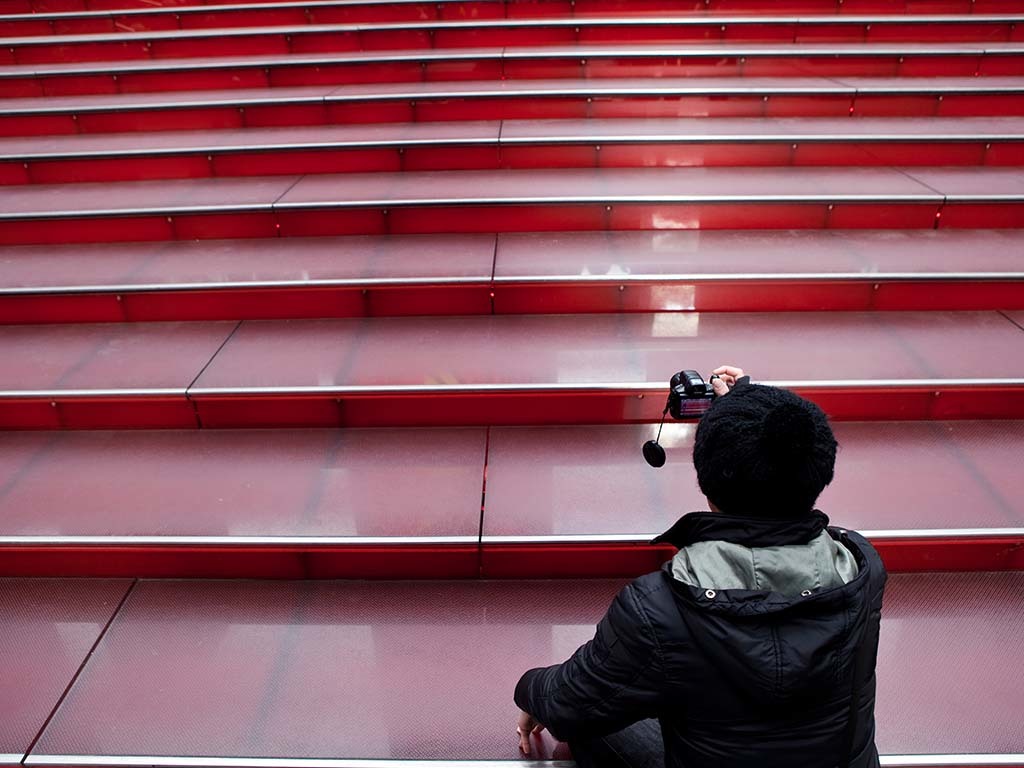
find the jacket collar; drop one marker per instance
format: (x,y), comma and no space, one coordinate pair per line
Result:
(746,531)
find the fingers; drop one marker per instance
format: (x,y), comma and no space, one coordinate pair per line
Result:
(720,387)
(524,741)
(729,372)
(538,729)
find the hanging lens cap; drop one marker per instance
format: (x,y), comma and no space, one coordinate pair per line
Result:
(654,454)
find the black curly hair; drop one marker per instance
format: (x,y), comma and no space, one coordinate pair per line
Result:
(764,452)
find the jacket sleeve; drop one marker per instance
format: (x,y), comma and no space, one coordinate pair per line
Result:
(612,681)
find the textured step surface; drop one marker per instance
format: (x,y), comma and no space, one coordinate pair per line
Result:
(546,273)
(499,369)
(574,62)
(497,145)
(373,503)
(274,38)
(543,200)
(176,16)
(483,100)
(49,628)
(518,8)
(264,669)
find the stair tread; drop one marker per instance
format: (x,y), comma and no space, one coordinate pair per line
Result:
(585,483)
(481,352)
(577,257)
(49,626)
(440,25)
(300,652)
(576,350)
(700,50)
(579,484)
(155,357)
(362,485)
(544,186)
(421,90)
(607,131)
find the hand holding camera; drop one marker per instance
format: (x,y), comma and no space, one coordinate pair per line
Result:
(689,398)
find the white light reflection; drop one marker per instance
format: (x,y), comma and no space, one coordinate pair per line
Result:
(675,325)
(662,220)
(673,298)
(674,435)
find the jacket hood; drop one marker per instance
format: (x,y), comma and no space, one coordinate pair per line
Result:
(770,602)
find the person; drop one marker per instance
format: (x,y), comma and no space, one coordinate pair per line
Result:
(756,644)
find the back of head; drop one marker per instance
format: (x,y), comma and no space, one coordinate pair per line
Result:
(764,452)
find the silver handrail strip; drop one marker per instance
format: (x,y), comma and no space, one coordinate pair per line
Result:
(514,89)
(640,389)
(567,140)
(485,281)
(937,534)
(233,541)
(575,22)
(163,761)
(63,394)
(468,54)
(820,199)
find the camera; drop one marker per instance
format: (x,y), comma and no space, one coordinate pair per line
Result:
(689,397)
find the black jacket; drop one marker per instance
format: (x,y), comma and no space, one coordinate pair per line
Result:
(737,677)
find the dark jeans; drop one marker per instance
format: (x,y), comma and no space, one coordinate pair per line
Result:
(638,746)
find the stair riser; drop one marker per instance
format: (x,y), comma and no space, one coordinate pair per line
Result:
(271,162)
(356,112)
(520,9)
(412,561)
(156,19)
(426,408)
(138,47)
(491,218)
(511,298)
(493,68)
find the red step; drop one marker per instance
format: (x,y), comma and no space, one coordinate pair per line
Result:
(153,17)
(379,9)
(537,62)
(282,504)
(560,501)
(513,274)
(500,369)
(501,201)
(305,37)
(522,144)
(50,627)
(268,656)
(426,102)
(579,500)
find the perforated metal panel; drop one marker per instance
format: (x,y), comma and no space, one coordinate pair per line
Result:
(426,669)
(889,476)
(47,627)
(351,483)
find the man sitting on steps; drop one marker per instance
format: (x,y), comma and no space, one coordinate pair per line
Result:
(755,646)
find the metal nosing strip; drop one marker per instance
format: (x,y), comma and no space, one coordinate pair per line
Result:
(236,541)
(872,277)
(415,541)
(174,65)
(890,761)
(454,389)
(487,24)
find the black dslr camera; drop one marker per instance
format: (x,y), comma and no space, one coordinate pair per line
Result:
(689,398)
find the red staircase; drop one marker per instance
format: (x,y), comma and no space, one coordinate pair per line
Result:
(331,330)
